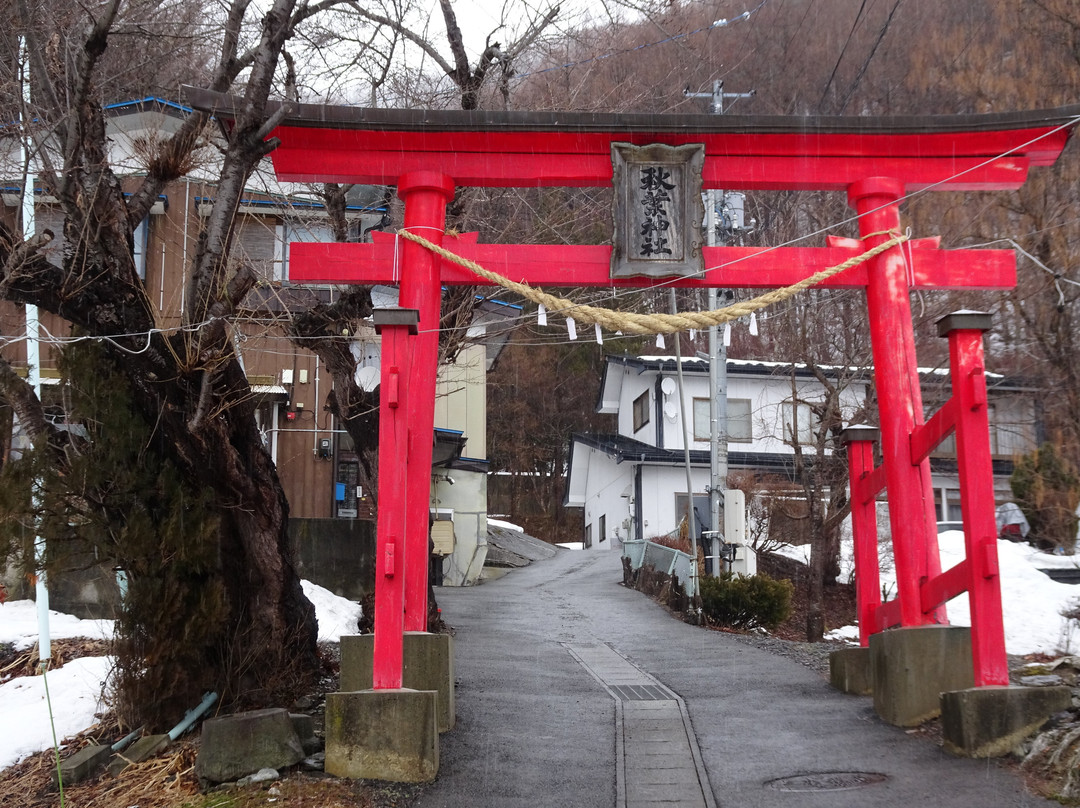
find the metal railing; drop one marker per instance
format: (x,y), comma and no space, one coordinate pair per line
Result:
(663,559)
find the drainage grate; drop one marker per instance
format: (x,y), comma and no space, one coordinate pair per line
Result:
(640,692)
(827,781)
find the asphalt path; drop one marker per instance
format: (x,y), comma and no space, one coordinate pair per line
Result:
(535,728)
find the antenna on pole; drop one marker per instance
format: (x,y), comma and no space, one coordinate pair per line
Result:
(717,96)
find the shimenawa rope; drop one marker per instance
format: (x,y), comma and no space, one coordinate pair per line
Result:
(634,323)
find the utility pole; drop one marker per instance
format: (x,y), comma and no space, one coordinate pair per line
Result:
(33,354)
(718,444)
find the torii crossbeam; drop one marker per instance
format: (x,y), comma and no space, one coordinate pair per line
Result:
(876,161)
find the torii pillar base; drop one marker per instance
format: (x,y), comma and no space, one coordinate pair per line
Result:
(428,665)
(850,672)
(912,667)
(988,722)
(383,735)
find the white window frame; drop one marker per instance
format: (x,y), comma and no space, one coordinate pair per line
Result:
(740,422)
(798,413)
(643,405)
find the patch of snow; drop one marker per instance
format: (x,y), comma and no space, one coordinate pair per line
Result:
(504,525)
(571,545)
(1031,601)
(844,634)
(336,615)
(76,688)
(75,691)
(19,626)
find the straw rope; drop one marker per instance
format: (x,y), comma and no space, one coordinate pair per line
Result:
(634,323)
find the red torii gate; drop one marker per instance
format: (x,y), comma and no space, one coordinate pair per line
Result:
(876,161)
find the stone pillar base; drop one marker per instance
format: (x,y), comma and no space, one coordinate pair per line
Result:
(382,735)
(990,721)
(849,671)
(912,667)
(428,664)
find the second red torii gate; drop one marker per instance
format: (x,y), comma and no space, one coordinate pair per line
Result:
(876,161)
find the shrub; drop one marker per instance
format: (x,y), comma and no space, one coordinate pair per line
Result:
(746,602)
(1047,489)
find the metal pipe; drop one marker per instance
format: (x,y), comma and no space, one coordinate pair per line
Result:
(192,716)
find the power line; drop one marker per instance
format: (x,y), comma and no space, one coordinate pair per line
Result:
(721,23)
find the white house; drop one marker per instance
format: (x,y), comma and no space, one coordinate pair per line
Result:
(632,483)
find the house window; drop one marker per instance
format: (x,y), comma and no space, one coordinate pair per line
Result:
(51,218)
(739,426)
(641,410)
(602,531)
(588,536)
(260,242)
(799,422)
(312,230)
(141,239)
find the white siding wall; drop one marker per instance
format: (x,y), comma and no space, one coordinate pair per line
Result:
(659,485)
(634,385)
(461,399)
(767,395)
(607,481)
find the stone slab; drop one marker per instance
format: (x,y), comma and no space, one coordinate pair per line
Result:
(383,735)
(304,726)
(427,664)
(990,721)
(84,764)
(849,671)
(143,749)
(912,667)
(236,745)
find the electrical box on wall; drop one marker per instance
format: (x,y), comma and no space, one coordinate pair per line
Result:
(286,376)
(735,516)
(324,448)
(303,376)
(442,537)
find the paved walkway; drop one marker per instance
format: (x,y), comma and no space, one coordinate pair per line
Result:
(574,692)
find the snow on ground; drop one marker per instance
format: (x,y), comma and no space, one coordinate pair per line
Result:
(76,689)
(336,615)
(1031,601)
(505,525)
(18,625)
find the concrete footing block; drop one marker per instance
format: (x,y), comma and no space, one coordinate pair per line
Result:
(987,722)
(912,667)
(428,664)
(143,749)
(383,735)
(84,764)
(236,745)
(849,671)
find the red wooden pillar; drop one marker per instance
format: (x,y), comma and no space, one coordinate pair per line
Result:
(965,330)
(912,517)
(860,442)
(395,326)
(426,194)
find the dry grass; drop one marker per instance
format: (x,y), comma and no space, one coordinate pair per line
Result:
(168,781)
(25,663)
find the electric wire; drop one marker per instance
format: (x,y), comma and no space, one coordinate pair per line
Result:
(720,23)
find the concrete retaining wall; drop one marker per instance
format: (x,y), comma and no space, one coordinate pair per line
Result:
(338,554)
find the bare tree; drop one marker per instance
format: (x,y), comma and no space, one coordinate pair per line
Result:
(186,386)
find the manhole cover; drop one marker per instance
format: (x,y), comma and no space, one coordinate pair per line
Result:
(827,781)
